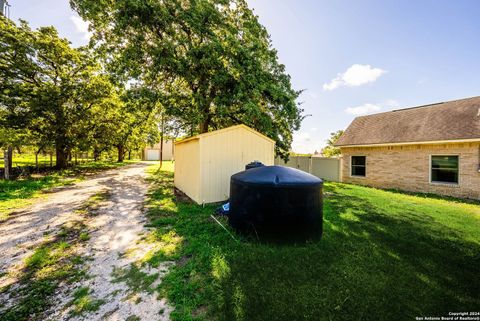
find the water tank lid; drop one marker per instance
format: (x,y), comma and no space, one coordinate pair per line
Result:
(276,176)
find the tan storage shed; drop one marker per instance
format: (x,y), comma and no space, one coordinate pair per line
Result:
(204,163)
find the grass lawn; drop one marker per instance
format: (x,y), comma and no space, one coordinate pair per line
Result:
(383,256)
(18,193)
(28,160)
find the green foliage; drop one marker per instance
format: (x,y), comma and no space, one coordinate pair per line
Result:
(12,90)
(210,62)
(83,302)
(330,150)
(19,193)
(28,159)
(53,90)
(93,204)
(134,278)
(378,248)
(53,95)
(84,236)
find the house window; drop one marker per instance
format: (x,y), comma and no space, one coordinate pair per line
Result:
(444,169)
(359,166)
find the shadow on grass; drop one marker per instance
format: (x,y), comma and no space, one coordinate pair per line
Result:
(434,196)
(371,264)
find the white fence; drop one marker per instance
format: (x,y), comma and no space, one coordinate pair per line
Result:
(322,167)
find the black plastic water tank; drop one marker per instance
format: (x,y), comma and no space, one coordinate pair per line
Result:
(276,199)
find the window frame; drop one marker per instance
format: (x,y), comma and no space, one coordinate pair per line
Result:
(351,166)
(439,182)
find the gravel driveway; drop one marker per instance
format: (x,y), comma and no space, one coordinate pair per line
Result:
(116,228)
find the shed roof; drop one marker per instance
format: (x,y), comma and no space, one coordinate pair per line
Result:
(220,131)
(446,121)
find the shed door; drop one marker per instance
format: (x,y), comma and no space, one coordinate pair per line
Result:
(153,154)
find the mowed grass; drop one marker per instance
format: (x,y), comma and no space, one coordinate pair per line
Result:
(383,256)
(16,194)
(26,159)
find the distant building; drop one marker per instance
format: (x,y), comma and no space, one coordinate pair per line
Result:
(152,152)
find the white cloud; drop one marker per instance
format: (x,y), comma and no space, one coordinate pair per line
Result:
(301,137)
(355,75)
(81,26)
(302,142)
(363,109)
(391,103)
(370,108)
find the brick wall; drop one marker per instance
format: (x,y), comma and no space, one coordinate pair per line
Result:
(407,168)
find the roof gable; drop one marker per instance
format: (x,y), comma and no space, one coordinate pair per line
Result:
(223,130)
(453,120)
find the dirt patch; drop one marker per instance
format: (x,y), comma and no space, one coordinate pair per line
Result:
(116,227)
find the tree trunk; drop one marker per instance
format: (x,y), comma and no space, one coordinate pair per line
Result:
(36,161)
(161,142)
(62,157)
(204,126)
(121,153)
(51,160)
(129,154)
(207,118)
(96,154)
(8,163)
(161,150)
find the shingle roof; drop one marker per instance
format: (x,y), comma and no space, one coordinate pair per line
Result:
(452,120)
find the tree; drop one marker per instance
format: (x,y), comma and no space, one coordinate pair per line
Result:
(330,150)
(211,62)
(138,120)
(10,139)
(55,89)
(13,61)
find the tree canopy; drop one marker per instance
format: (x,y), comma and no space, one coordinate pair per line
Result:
(330,150)
(210,62)
(63,97)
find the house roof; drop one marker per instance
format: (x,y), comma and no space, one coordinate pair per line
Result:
(216,132)
(457,120)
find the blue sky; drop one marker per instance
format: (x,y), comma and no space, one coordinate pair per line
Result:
(351,57)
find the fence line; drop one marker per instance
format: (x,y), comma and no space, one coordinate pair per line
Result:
(323,167)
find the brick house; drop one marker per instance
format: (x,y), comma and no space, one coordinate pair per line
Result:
(432,149)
